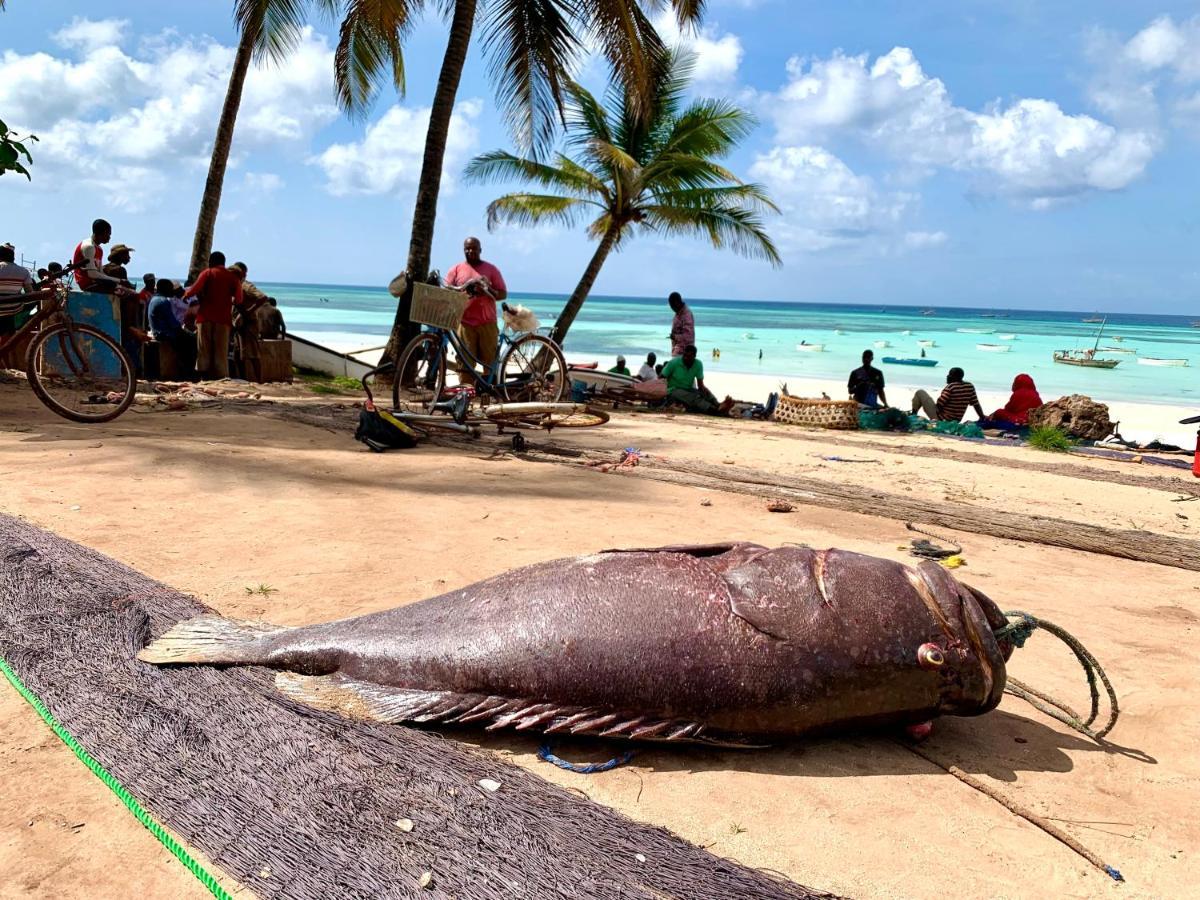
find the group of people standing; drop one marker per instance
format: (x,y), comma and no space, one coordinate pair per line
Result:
(200,321)
(866,387)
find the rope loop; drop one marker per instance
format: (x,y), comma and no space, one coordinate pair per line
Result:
(546,754)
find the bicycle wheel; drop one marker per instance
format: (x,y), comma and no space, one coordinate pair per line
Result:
(545,415)
(533,370)
(80,373)
(420,377)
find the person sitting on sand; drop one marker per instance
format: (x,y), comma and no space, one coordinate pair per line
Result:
(646,372)
(484,284)
(866,383)
(952,405)
(620,368)
(1024,398)
(685,385)
(683,326)
(167,327)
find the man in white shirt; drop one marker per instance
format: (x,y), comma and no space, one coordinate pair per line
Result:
(646,372)
(15,284)
(89,257)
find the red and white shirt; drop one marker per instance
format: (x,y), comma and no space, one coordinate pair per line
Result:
(88,256)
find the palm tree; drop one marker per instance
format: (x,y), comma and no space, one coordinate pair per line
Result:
(533,46)
(658,173)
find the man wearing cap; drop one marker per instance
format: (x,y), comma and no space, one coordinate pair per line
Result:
(15,283)
(485,286)
(620,368)
(219,290)
(133,309)
(88,257)
(248,341)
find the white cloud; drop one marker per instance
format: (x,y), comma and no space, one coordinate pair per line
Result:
(1031,150)
(920,240)
(388,158)
(262,182)
(717,56)
(1157,66)
(85,33)
(147,119)
(824,203)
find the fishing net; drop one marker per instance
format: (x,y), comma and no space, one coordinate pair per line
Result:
(294,802)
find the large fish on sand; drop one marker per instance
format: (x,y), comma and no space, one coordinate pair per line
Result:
(727,644)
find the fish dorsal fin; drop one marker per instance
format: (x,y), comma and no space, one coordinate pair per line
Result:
(367,701)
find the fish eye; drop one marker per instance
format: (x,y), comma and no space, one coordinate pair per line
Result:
(930,656)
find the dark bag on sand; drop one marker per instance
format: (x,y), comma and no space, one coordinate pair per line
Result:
(382,431)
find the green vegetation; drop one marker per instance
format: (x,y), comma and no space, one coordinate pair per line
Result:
(653,170)
(1050,439)
(320,383)
(12,148)
(264,590)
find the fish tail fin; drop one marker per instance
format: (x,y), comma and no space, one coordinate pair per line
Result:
(210,639)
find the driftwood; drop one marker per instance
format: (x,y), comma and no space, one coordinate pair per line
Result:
(1126,544)
(293,802)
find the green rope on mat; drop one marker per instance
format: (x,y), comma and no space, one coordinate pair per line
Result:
(205,877)
(1017,633)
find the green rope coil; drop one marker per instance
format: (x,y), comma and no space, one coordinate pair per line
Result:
(205,877)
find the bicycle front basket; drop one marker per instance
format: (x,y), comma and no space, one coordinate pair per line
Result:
(438,307)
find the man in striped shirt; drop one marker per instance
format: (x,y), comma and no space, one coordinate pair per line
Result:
(15,283)
(952,405)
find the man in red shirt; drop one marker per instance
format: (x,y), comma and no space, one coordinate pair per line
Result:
(89,257)
(219,290)
(485,285)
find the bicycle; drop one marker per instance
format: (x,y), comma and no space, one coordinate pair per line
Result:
(529,368)
(76,370)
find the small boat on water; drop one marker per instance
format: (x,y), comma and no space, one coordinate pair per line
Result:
(975,330)
(1087,358)
(993,348)
(1094,320)
(929,312)
(748,336)
(926,343)
(907,331)
(838,332)
(1118,338)
(1006,337)
(1115,350)
(908,361)
(1155,361)
(811,348)
(882,344)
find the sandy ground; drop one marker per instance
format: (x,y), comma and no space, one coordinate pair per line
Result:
(217,503)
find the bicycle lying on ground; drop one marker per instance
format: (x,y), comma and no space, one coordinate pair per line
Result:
(529,368)
(76,370)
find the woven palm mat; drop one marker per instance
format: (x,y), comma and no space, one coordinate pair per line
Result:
(297,803)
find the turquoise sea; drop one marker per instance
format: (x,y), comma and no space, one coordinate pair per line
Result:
(360,317)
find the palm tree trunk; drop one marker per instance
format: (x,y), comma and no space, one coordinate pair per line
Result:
(575,301)
(420,246)
(206,224)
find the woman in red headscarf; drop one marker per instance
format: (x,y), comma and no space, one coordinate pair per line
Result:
(1024,398)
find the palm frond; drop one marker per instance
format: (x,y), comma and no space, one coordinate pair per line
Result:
(587,118)
(748,196)
(709,128)
(727,226)
(536,209)
(370,50)
(641,134)
(533,50)
(563,175)
(276,25)
(630,43)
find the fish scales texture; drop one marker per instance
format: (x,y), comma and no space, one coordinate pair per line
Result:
(723,642)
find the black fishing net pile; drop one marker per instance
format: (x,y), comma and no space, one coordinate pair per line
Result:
(298,803)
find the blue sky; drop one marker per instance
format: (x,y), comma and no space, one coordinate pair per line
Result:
(1020,153)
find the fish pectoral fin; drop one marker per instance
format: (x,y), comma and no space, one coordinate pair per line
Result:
(367,701)
(766,619)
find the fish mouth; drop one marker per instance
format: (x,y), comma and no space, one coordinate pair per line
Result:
(974,672)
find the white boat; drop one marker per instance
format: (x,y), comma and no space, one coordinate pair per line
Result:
(308,354)
(600,379)
(810,348)
(975,330)
(1006,337)
(994,348)
(748,336)
(838,332)
(1115,350)
(1155,361)
(882,344)
(907,331)
(1118,338)
(926,343)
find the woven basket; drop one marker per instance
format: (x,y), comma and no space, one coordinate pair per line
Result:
(438,307)
(839,414)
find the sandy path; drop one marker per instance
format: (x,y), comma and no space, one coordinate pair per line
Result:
(215,504)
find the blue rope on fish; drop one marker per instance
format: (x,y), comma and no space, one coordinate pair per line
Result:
(1017,633)
(546,754)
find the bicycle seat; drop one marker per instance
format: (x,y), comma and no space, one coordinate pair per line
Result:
(1194,420)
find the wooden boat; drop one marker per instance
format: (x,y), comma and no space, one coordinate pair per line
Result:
(811,348)
(906,331)
(993,348)
(308,354)
(906,361)
(838,332)
(1155,361)
(600,379)
(1116,350)
(1087,358)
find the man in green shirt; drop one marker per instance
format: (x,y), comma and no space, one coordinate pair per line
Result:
(620,368)
(685,385)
